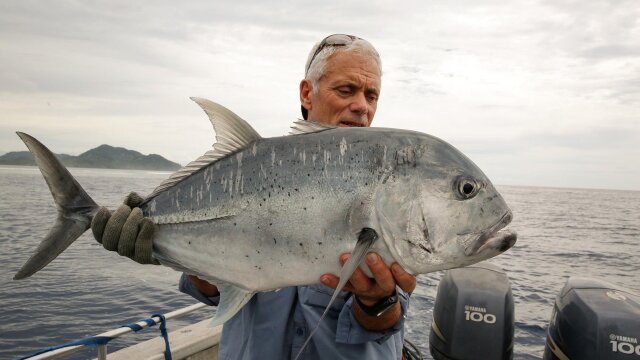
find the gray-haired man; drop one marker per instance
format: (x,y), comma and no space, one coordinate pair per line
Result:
(341,88)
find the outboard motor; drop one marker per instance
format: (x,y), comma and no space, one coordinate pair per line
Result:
(592,319)
(473,315)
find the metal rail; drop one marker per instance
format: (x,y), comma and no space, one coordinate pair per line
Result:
(102,349)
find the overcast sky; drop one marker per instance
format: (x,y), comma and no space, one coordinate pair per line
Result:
(543,93)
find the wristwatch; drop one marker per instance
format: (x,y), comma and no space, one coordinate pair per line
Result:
(380,307)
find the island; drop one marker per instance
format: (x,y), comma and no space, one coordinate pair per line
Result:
(104,156)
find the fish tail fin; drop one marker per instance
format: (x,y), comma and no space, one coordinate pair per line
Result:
(75,208)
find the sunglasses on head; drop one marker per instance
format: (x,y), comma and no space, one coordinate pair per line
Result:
(332,40)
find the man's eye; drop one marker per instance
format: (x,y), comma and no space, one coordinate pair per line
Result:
(345,90)
(372,97)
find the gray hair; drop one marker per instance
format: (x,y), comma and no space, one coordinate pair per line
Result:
(317,68)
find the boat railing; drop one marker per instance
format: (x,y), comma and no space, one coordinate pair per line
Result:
(61,351)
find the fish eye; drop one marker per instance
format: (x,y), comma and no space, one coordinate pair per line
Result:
(467,187)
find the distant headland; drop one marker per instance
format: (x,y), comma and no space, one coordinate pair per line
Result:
(104,156)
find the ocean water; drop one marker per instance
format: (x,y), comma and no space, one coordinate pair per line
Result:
(86,290)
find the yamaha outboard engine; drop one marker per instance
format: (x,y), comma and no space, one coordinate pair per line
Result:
(592,319)
(473,315)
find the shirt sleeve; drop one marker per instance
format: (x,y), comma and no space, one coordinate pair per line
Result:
(188,288)
(349,331)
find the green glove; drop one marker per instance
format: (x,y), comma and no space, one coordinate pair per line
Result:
(126,231)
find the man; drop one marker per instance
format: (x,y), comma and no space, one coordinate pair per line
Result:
(341,88)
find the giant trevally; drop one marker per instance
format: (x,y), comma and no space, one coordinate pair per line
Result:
(256,214)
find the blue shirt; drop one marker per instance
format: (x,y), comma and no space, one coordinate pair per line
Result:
(274,325)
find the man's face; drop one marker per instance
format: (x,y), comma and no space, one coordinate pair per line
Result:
(348,92)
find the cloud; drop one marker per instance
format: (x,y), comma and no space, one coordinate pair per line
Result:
(549,84)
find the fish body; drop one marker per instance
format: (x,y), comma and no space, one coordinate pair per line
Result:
(257,214)
(257,217)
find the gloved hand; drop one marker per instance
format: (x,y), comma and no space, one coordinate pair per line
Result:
(126,230)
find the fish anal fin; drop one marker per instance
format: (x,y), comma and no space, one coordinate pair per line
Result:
(232,299)
(366,238)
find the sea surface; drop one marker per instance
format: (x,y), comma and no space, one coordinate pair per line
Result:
(86,290)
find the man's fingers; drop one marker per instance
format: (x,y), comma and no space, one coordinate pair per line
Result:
(332,281)
(111,234)
(127,242)
(133,200)
(383,284)
(361,282)
(99,222)
(382,274)
(406,281)
(144,243)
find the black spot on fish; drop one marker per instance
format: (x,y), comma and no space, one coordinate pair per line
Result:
(300,244)
(275,241)
(319,242)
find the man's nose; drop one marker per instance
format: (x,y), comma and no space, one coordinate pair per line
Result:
(359,104)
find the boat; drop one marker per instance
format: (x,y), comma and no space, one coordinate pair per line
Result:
(197,341)
(473,318)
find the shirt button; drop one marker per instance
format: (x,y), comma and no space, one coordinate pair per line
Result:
(299,331)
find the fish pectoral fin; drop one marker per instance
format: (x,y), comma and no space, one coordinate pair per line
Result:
(366,238)
(232,299)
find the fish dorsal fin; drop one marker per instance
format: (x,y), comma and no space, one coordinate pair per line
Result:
(232,134)
(300,127)
(366,238)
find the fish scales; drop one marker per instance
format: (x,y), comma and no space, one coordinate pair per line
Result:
(293,213)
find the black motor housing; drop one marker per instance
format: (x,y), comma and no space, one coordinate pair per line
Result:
(473,316)
(593,319)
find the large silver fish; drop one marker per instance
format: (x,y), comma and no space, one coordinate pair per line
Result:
(256,214)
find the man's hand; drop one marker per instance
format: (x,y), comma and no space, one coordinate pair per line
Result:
(126,231)
(371,290)
(207,289)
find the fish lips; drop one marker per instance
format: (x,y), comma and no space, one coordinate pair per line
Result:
(495,238)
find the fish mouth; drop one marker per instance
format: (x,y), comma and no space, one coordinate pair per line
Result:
(494,238)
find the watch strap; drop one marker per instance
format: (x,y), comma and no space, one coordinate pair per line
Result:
(380,307)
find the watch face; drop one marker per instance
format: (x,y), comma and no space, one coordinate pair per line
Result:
(390,301)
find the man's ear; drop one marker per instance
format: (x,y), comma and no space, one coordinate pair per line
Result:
(305,94)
